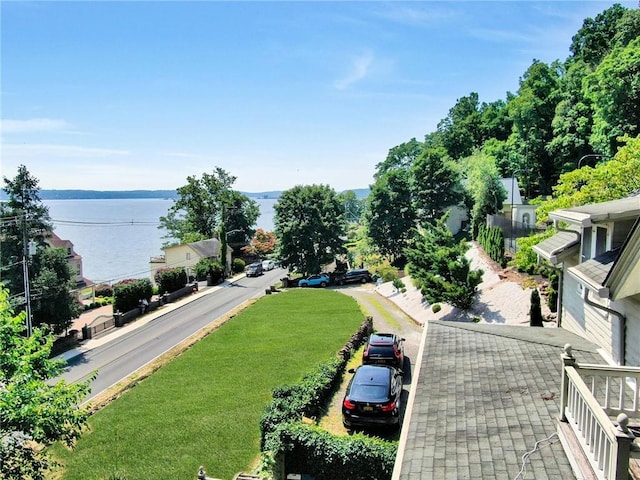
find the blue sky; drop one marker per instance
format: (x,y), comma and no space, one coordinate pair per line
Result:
(139,95)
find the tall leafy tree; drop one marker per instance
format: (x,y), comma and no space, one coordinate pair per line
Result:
(353,206)
(52,302)
(573,120)
(485,188)
(594,40)
(614,179)
(532,112)
(614,89)
(438,265)
(241,214)
(204,207)
(400,157)
(35,411)
(461,130)
(495,121)
(390,216)
(436,185)
(310,225)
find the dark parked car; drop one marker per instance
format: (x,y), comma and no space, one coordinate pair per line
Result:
(354,276)
(254,270)
(373,397)
(385,349)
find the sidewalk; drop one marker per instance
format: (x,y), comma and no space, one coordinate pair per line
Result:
(500,301)
(89,316)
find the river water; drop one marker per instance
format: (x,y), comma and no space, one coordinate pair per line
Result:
(117,237)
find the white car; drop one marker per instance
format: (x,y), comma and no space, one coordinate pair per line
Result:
(268,265)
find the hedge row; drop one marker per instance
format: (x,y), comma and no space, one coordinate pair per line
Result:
(492,241)
(170,279)
(128,293)
(310,449)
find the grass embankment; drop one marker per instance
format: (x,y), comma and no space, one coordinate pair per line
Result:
(204,407)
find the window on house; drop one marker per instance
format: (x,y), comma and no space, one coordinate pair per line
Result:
(526,219)
(188,255)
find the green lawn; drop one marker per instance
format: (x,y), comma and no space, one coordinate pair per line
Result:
(204,407)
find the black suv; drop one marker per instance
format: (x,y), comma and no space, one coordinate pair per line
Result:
(386,349)
(354,276)
(373,397)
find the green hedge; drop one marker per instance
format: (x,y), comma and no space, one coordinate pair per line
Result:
(170,279)
(128,293)
(492,241)
(206,267)
(312,450)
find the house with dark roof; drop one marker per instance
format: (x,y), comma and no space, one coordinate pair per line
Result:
(597,252)
(187,255)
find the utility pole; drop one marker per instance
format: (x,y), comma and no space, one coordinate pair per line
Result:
(27,250)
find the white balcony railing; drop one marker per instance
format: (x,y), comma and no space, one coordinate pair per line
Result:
(598,401)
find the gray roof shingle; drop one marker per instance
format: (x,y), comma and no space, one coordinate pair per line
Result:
(485,394)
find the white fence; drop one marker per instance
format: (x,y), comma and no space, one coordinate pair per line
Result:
(598,402)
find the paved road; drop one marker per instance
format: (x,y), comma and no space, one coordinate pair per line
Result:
(118,357)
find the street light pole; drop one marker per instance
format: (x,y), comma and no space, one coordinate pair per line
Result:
(597,156)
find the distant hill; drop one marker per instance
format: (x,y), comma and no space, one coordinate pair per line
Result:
(108,194)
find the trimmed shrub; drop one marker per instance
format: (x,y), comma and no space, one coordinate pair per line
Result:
(238,265)
(399,285)
(492,241)
(103,290)
(128,293)
(206,267)
(552,297)
(170,279)
(435,308)
(535,311)
(315,451)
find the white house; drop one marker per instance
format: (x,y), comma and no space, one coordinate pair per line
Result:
(597,251)
(187,255)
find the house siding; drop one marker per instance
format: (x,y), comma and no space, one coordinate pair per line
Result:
(584,320)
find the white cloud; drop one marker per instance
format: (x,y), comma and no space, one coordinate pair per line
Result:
(33,125)
(418,15)
(360,68)
(21,151)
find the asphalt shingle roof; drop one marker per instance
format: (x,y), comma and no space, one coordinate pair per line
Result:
(485,394)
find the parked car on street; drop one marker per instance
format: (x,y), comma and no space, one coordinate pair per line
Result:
(254,270)
(384,349)
(373,397)
(268,265)
(354,276)
(319,280)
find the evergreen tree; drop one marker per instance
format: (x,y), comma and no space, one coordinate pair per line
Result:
(438,265)
(535,311)
(436,185)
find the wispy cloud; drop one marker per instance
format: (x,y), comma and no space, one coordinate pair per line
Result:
(33,125)
(360,68)
(417,15)
(21,151)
